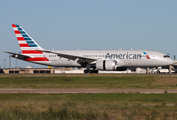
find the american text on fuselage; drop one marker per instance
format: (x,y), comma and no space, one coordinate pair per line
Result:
(123,56)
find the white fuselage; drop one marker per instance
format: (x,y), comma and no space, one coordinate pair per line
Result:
(125,58)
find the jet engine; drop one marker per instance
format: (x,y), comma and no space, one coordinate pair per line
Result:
(109,65)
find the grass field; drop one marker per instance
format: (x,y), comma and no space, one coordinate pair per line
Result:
(109,106)
(148,105)
(90,81)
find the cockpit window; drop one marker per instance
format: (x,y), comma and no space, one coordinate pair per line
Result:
(166,56)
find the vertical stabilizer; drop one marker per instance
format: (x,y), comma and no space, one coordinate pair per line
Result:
(27,44)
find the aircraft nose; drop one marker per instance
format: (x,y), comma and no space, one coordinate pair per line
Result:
(170,61)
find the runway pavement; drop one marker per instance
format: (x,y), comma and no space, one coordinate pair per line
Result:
(146,91)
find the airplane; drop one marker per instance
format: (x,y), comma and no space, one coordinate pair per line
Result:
(92,60)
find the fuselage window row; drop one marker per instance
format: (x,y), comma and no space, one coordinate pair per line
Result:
(93,56)
(52,55)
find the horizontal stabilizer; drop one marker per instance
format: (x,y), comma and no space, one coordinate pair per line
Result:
(17,54)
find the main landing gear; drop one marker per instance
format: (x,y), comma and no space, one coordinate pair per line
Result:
(90,71)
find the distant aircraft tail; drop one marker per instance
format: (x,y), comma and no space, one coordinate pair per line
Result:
(28,46)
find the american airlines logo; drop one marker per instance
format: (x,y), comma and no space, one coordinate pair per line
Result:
(147,56)
(123,56)
(126,56)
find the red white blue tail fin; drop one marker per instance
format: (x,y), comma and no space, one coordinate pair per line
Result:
(27,44)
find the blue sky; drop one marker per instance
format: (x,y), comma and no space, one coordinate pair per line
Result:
(91,24)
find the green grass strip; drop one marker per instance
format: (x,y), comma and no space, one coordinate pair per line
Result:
(87,82)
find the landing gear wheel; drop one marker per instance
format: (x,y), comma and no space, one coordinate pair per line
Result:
(91,71)
(86,71)
(96,71)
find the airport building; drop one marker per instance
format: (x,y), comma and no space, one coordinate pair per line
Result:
(34,70)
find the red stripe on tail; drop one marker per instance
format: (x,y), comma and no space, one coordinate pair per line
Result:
(13,25)
(20,38)
(17,32)
(24,45)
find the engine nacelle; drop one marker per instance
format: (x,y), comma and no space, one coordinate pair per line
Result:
(109,65)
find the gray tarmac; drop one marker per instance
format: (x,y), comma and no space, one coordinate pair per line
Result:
(46,91)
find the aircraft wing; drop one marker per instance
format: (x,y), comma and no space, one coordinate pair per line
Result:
(81,60)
